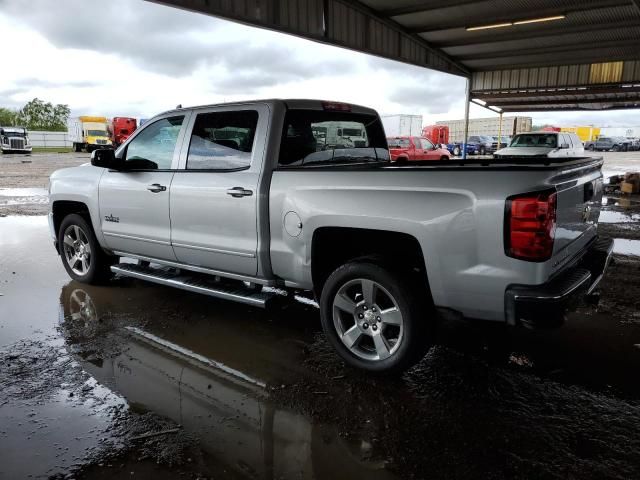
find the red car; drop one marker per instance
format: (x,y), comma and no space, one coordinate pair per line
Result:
(408,149)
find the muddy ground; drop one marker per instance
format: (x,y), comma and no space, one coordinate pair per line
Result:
(141,381)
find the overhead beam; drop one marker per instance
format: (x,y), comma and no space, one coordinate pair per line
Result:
(510,16)
(558,101)
(489,96)
(570,108)
(524,52)
(496,37)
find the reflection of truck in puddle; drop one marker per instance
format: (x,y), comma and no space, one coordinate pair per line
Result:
(227,409)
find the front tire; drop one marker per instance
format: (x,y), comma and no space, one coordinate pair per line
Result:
(82,256)
(456,151)
(375,318)
(482,151)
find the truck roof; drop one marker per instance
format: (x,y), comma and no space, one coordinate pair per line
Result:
(293,103)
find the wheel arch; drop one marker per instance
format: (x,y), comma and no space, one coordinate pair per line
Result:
(61,208)
(332,247)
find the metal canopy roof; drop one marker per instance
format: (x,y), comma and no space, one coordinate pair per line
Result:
(537,55)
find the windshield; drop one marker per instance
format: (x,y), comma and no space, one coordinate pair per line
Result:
(352,132)
(97,133)
(546,140)
(315,138)
(398,142)
(13,133)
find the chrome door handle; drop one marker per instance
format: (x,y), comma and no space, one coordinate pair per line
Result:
(238,192)
(156,188)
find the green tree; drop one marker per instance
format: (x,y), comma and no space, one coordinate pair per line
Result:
(38,115)
(8,117)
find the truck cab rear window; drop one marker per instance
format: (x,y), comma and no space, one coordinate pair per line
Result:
(314,138)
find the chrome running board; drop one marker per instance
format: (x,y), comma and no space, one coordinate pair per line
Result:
(175,278)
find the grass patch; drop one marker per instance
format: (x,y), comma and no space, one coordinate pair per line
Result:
(52,149)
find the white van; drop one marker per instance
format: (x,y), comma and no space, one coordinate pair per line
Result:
(543,144)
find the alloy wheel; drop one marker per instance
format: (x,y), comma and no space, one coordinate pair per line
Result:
(367,319)
(77,250)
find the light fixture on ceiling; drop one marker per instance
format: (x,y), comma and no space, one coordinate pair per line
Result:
(516,22)
(487,27)
(539,20)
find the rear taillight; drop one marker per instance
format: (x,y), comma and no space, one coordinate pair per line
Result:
(530,226)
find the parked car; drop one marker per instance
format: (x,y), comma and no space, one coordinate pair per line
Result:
(456,148)
(484,144)
(606,144)
(224,199)
(14,140)
(439,134)
(409,149)
(543,144)
(504,142)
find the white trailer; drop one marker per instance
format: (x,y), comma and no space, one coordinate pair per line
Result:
(487,126)
(627,132)
(402,125)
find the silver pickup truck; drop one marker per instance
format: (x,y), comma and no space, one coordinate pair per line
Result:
(255,201)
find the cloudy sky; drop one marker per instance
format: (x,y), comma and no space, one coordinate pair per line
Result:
(134,58)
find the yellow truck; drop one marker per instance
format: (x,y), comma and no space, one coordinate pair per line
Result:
(89,133)
(586,134)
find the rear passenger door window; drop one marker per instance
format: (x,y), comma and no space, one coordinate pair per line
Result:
(222,141)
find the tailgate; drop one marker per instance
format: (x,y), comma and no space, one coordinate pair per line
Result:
(579,196)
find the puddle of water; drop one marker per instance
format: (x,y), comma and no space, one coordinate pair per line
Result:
(23,192)
(626,247)
(267,397)
(610,216)
(23,196)
(31,276)
(39,439)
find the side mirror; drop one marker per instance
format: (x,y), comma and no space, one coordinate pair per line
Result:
(105,158)
(437,146)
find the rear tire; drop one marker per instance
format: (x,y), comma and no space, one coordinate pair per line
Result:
(82,256)
(615,148)
(456,151)
(482,150)
(77,147)
(375,318)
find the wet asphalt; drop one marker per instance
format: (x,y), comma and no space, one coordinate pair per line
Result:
(142,381)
